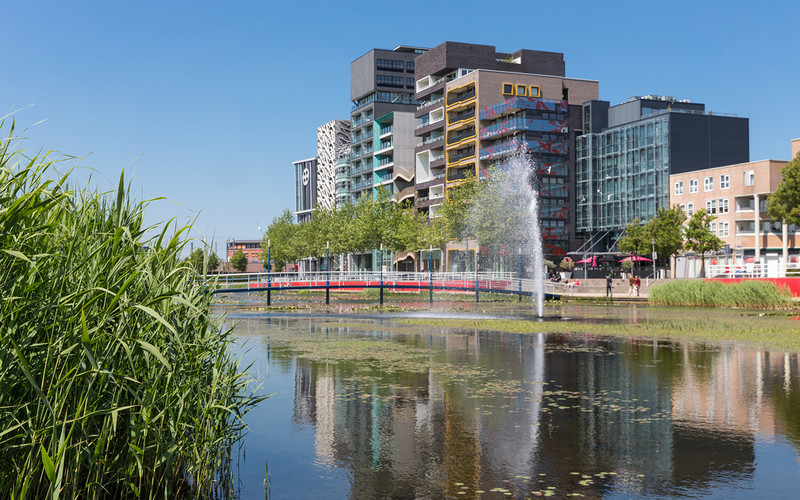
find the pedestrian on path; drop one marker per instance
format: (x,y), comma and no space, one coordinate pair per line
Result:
(636,284)
(631,284)
(608,285)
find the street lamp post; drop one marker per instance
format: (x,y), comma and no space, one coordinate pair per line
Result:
(327,273)
(269,280)
(477,251)
(430,270)
(520,274)
(654,257)
(381,267)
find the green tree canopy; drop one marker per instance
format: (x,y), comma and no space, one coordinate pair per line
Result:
(283,236)
(238,261)
(784,203)
(666,228)
(699,237)
(636,239)
(203,262)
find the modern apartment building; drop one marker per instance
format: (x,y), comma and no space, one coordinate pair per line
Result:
(479,106)
(382,87)
(305,188)
(736,195)
(627,153)
(333,141)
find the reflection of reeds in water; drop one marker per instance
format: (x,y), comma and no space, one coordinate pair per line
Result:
(114,381)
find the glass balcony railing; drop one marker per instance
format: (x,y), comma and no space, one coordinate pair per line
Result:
(519,123)
(430,103)
(461,154)
(387,130)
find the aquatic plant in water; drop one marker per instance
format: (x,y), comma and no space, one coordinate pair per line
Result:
(114,381)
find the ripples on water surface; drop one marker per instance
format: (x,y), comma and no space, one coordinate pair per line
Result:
(368,407)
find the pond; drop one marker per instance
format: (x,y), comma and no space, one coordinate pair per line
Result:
(370,405)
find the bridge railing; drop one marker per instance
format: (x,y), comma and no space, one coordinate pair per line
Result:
(465,281)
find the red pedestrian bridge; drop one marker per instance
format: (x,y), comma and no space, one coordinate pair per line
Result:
(477,283)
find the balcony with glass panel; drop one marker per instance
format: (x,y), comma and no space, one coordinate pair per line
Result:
(513,146)
(516,124)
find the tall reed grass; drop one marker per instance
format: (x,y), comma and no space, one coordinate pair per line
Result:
(749,293)
(114,380)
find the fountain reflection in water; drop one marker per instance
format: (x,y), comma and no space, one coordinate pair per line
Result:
(508,208)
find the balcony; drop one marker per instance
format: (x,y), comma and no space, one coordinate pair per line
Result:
(464,96)
(461,154)
(431,140)
(513,146)
(464,115)
(517,103)
(515,124)
(456,138)
(386,130)
(430,103)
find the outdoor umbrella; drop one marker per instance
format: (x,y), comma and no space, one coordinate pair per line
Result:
(592,260)
(636,258)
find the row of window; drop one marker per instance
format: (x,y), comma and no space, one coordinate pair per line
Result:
(393,81)
(711,207)
(708,183)
(509,89)
(393,65)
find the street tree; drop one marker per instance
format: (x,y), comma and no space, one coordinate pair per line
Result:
(283,236)
(784,203)
(203,262)
(699,237)
(238,261)
(636,239)
(666,228)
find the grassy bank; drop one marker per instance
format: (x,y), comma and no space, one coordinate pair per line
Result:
(114,381)
(749,294)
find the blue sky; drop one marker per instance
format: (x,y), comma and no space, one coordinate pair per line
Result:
(208,103)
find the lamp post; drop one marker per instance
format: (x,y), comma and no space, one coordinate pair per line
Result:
(430,270)
(520,274)
(327,273)
(654,257)
(477,251)
(269,281)
(381,268)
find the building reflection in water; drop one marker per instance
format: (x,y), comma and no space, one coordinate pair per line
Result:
(658,414)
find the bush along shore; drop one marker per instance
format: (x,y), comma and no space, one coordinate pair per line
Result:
(750,294)
(114,381)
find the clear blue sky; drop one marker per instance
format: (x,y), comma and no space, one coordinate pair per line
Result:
(208,103)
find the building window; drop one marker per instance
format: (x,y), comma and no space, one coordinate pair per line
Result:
(723,229)
(389,65)
(410,67)
(712,226)
(679,187)
(723,205)
(693,185)
(389,81)
(690,209)
(711,206)
(522,90)
(536,91)
(409,83)
(724,181)
(508,89)
(683,207)
(708,184)
(749,178)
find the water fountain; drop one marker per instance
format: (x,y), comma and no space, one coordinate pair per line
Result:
(508,212)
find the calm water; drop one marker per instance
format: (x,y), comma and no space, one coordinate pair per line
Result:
(384,410)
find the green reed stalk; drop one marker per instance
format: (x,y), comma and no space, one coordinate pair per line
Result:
(114,380)
(749,294)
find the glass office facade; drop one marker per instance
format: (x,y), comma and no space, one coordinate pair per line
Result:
(621,174)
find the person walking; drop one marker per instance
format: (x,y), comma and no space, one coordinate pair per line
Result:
(631,283)
(608,285)
(636,284)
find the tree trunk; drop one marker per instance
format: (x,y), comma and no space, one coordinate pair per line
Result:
(703,265)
